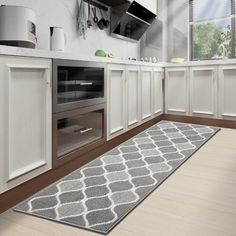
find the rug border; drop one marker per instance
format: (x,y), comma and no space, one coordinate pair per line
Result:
(217,129)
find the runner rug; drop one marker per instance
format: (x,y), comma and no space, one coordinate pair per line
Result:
(100,194)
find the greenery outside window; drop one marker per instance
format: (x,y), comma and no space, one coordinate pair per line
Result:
(212,29)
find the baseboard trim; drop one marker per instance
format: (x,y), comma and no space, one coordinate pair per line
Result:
(27,189)
(201,121)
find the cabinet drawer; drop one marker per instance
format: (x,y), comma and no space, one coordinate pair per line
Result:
(74,130)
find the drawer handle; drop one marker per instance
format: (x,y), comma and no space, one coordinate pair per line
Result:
(84,130)
(84,84)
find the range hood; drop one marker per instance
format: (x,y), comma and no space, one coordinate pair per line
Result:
(130,20)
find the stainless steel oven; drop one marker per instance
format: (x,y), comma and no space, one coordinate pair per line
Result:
(77,84)
(79,108)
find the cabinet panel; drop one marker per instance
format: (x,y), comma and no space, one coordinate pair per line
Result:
(203,91)
(27,101)
(27,119)
(116,93)
(227,92)
(135,95)
(133,110)
(146,93)
(177,91)
(157,92)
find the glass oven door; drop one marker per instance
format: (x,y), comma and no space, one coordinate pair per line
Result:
(77,84)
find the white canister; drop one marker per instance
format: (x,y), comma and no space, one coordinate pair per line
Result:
(17,26)
(58,39)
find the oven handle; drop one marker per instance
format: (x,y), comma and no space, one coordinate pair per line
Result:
(82,131)
(88,83)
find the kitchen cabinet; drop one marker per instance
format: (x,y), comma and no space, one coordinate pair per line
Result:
(227,92)
(146,93)
(203,89)
(177,91)
(116,92)
(133,98)
(157,93)
(25,123)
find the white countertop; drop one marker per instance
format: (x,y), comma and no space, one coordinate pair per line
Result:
(26,52)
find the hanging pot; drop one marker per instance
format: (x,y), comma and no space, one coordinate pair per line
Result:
(103,23)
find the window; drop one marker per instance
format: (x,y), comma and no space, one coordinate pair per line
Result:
(212,29)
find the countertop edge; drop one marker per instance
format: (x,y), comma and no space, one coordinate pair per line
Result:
(36,53)
(201,63)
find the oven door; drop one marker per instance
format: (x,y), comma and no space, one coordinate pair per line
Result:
(76,132)
(77,84)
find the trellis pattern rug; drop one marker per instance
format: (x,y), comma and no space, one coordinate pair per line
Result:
(100,194)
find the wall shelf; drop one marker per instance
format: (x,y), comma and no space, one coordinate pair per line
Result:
(113,3)
(97,5)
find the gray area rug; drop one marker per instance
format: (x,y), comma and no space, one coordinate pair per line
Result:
(100,194)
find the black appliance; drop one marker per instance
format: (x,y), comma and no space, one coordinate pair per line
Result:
(130,20)
(79,108)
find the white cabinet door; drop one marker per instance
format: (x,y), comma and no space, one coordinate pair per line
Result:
(116,100)
(26,123)
(134,95)
(177,91)
(203,88)
(227,92)
(133,98)
(157,98)
(146,93)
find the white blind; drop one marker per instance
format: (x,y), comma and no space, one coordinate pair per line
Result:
(203,10)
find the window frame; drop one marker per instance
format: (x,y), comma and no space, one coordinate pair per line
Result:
(191,23)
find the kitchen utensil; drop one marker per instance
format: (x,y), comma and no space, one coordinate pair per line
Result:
(110,55)
(95,18)
(102,23)
(58,39)
(154,60)
(107,17)
(89,22)
(17,26)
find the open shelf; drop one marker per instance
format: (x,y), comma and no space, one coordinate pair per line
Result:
(113,3)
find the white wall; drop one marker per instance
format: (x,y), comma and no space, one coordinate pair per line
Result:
(149,4)
(152,44)
(169,35)
(63,13)
(177,12)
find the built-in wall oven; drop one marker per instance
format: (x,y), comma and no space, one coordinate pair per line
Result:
(77,84)
(79,108)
